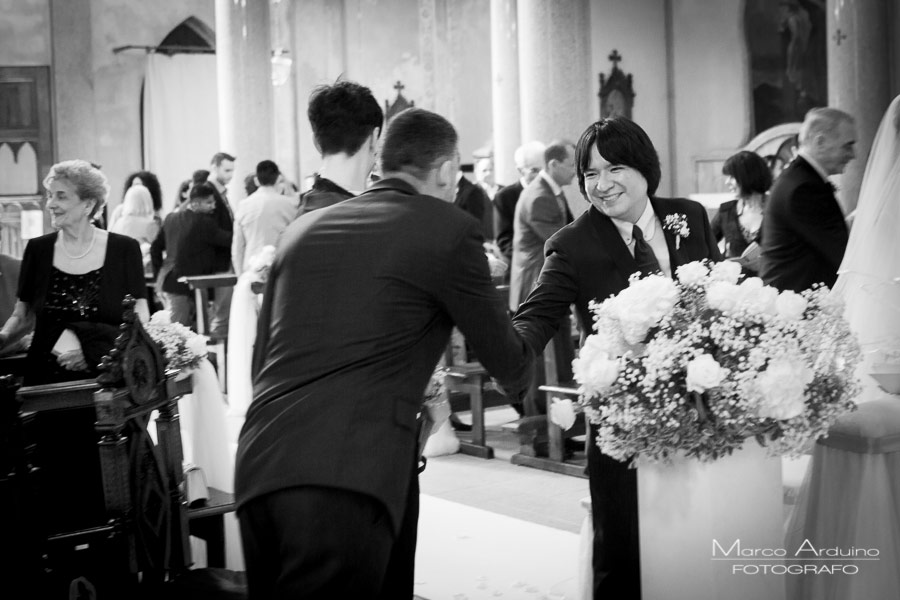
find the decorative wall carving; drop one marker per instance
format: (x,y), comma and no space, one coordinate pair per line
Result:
(616,92)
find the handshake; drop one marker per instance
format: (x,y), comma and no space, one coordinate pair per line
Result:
(496,261)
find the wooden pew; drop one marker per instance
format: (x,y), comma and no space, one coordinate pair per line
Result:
(537,430)
(112,501)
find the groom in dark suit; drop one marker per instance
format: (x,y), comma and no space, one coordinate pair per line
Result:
(623,232)
(804,232)
(358,308)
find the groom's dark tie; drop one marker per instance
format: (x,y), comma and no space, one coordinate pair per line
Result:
(643,254)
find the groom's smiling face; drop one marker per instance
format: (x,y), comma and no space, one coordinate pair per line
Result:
(617,191)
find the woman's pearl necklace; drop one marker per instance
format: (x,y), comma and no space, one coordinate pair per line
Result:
(62,244)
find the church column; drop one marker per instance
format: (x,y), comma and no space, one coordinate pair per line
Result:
(244,70)
(505,88)
(858,77)
(555,76)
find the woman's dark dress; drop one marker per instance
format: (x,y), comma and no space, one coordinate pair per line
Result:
(89,304)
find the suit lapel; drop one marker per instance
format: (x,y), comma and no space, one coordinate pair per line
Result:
(612,242)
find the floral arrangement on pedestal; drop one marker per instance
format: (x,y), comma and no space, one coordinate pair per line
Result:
(182,347)
(697,366)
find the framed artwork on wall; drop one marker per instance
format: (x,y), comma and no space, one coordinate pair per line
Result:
(787,52)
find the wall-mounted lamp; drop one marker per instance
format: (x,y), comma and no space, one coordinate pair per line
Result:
(281,66)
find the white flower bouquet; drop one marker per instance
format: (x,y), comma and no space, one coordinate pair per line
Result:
(182,347)
(697,366)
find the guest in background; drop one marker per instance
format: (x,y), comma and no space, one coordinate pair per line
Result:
(191,240)
(804,233)
(149,181)
(250,185)
(346,122)
(262,217)
(9,280)
(474,200)
(74,278)
(181,197)
(484,174)
(221,172)
(738,222)
(138,221)
(529,160)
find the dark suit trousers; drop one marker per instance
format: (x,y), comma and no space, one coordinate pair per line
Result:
(614,509)
(321,543)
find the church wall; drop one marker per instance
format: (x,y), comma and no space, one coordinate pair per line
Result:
(432,46)
(637,29)
(25,33)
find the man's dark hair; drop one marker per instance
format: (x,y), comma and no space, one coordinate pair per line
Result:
(750,172)
(202,190)
(267,172)
(416,139)
(199,176)
(343,115)
(218,157)
(620,141)
(557,150)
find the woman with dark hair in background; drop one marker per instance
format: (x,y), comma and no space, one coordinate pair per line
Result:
(738,222)
(149,181)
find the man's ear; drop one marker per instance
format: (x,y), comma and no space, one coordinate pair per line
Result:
(445,174)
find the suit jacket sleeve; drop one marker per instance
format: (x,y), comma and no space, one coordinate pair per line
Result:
(538,318)
(214,235)
(476,308)
(818,221)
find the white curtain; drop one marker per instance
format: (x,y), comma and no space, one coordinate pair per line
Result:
(181,118)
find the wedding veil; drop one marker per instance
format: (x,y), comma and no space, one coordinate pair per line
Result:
(869,276)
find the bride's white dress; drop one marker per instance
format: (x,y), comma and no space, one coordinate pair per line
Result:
(850,498)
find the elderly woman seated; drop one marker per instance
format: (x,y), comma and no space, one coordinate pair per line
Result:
(73,281)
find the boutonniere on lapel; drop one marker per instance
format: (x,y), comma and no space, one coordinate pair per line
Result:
(678,225)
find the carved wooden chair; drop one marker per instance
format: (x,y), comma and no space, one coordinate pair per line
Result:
(113,515)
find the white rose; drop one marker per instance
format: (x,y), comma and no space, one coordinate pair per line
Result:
(692,273)
(642,304)
(756,297)
(161,317)
(197,345)
(781,388)
(728,271)
(703,373)
(790,305)
(722,296)
(594,369)
(562,413)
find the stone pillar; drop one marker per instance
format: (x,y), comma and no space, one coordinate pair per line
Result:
(859,77)
(505,88)
(75,121)
(554,69)
(244,69)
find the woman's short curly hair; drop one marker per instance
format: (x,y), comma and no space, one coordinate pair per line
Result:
(89,182)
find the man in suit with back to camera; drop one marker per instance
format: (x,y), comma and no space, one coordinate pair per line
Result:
(346,122)
(358,308)
(590,259)
(804,231)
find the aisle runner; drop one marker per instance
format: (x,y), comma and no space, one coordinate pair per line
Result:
(465,553)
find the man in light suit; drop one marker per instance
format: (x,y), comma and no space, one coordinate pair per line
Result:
(540,212)
(529,159)
(590,259)
(358,308)
(804,232)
